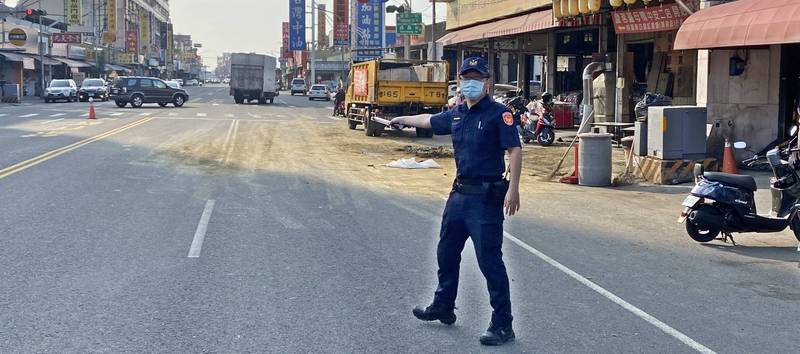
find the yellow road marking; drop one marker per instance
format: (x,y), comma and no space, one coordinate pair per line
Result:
(8,171)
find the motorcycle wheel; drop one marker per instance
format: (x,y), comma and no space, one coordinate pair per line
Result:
(546,137)
(701,235)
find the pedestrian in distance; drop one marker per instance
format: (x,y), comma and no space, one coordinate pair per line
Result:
(482,132)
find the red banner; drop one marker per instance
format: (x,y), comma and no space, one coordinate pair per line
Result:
(132,42)
(285,52)
(341,22)
(67,37)
(667,17)
(361,82)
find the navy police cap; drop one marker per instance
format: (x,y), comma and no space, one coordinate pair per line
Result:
(475,63)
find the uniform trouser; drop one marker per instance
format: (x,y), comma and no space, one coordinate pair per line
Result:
(468,216)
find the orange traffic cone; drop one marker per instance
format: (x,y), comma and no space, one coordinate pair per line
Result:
(573,178)
(91,110)
(728,160)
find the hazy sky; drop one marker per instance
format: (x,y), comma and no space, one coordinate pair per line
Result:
(250,25)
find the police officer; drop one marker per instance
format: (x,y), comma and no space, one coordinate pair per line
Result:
(482,131)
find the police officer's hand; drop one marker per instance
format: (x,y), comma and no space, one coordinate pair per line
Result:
(511,203)
(398,123)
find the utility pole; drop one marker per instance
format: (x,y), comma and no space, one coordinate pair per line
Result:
(407,42)
(313,42)
(433,32)
(353,32)
(41,50)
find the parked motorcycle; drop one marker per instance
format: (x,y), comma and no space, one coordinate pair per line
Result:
(522,118)
(339,110)
(545,125)
(724,203)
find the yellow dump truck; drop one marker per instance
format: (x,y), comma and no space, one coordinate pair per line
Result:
(387,88)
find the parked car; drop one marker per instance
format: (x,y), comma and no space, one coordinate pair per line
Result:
(93,88)
(180,81)
(174,84)
(140,90)
(192,82)
(298,86)
(319,92)
(226,81)
(59,89)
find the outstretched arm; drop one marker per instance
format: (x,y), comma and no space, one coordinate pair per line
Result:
(417,121)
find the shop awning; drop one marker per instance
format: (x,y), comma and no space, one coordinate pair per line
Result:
(73,63)
(114,67)
(47,60)
(741,23)
(514,25)
(10,56)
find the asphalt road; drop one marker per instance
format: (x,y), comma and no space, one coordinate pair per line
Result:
(108,246)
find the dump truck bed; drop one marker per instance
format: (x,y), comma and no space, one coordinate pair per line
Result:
(385,83)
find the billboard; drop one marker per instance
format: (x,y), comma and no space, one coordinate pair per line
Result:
(124,58)
(111,17)
(322,28)
(341,22)
(74,12)
(144,32)
(67,37)
(297,24)
(170,44)
(369,27)
(285,52)
(132,42)
(667,17)
(465,13)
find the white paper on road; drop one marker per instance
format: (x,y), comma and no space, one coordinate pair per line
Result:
(413,164)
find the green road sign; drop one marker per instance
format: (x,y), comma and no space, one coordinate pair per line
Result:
(409,23)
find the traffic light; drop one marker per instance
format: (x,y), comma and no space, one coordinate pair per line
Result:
(35,13)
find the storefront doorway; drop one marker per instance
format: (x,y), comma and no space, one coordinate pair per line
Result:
(789,87)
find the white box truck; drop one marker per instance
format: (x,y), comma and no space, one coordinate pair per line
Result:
(253,78)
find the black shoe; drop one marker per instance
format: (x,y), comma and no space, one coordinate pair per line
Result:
(431,313)
(497,335)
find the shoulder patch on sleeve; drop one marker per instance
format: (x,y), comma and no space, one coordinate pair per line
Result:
(508,118)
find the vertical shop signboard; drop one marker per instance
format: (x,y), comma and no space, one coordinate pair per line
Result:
(297,24)
(341,22)
(370,27)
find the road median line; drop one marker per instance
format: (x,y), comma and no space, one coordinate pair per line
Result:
(21,166)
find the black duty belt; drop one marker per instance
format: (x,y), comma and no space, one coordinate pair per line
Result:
(474,186)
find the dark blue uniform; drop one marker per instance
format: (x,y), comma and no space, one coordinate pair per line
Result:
(481,135)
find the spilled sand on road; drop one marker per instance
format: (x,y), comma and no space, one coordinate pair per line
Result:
(341,155)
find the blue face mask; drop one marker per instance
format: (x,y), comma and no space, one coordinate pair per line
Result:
(472,89)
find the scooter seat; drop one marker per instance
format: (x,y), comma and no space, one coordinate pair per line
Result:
(746,182)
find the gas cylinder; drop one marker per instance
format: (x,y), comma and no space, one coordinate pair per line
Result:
(594,5)
(574,10)
(557,9)
(583,6)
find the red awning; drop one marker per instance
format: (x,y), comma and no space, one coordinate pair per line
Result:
(741,23)
(514,25)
